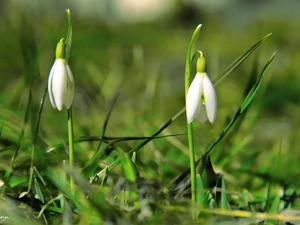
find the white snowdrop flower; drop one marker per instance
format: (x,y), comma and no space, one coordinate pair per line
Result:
(201,99)
(61,86)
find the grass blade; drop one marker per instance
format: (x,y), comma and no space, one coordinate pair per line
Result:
(239,60)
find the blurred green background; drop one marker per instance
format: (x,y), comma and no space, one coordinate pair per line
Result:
(139,49)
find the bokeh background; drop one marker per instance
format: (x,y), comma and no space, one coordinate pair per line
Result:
(138,48)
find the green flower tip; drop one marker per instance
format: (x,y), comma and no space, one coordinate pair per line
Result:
(60,49)
(201,65)
(198,27)
(197,31)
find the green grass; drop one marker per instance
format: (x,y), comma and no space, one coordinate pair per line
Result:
(131,156)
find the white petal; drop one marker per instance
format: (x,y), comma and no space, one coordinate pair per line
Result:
(70,89)
(193,97)
(210,98)
(59,83)
(50,79)
(201,115)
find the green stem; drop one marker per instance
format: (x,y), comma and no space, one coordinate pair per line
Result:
(192,162)
(191,143)
(190,134)
(188,63)
(71,147)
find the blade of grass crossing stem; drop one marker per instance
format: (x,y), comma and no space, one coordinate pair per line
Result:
(239,60)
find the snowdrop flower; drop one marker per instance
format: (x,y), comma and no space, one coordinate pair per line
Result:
(61,82)
(201,99)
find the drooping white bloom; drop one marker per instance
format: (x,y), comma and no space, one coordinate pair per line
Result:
(201,99)
(61,86)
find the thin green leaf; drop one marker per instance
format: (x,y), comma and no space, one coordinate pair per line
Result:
(243,106)
(200,191)
(1,129)
(254,89)
(188,63)
(275,207)
(5,186)
(39,116)
(129,168)
(114,100)
(40,176)
(38,190)
(239,60)
(133,157)
(267,194)
(69,35)
(224,202)
(55,209)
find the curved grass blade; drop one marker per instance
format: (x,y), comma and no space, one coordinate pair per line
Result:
(128,166)
(189,58)
(107,119)
(239,60)
(39,116)
(69,35)
(243,106)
